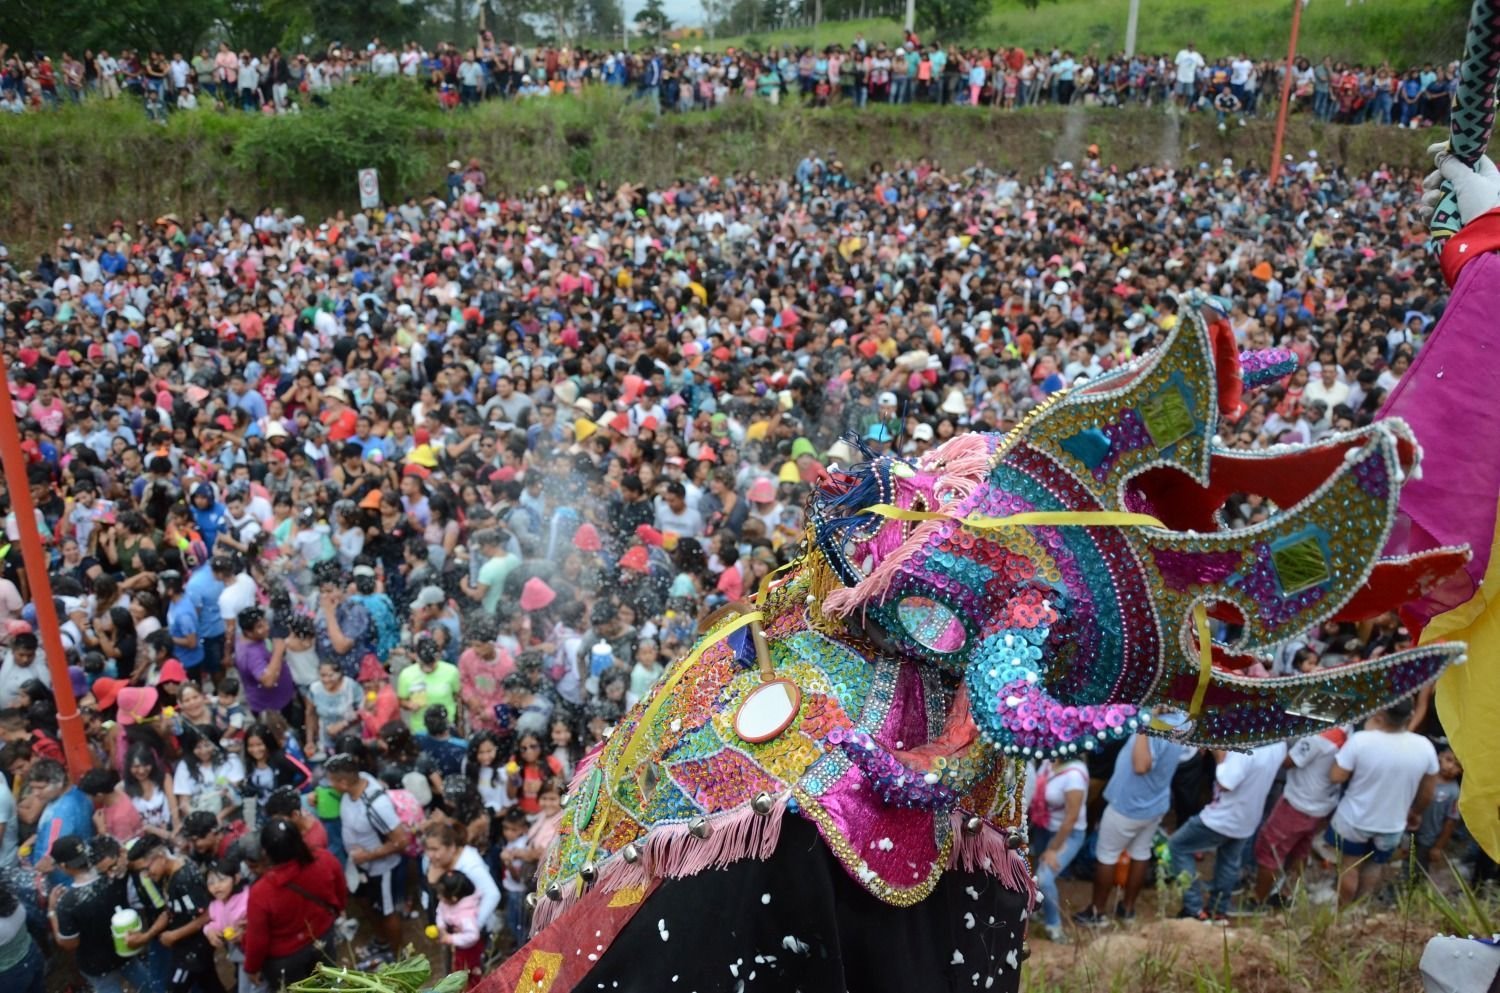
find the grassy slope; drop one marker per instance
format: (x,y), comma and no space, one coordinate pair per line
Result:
(100,162)
(1402,31)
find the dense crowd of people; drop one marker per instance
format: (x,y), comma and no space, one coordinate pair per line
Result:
(364,530)
(1230,84)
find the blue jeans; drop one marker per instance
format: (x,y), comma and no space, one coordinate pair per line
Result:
(1229,853)
(28,975)
(134,972)
(1046,878)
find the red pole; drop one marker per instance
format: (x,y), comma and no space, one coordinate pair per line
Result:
(1286,92)
(70,723)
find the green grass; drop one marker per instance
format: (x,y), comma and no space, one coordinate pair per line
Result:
(1401,31)
(98,162)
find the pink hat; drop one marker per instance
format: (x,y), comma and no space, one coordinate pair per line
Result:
(135,703)
(536,594)
(586,538)
(762,491)
(636,559)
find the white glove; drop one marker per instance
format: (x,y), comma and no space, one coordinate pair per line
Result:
(1478,188)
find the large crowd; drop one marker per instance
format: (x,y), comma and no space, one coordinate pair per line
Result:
(365,529)
(1231,85)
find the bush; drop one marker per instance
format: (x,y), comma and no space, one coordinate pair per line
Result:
(368,126)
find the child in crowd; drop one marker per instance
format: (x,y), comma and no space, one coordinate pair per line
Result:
(1441,816)
(520,863)
(458,924)
(226,917)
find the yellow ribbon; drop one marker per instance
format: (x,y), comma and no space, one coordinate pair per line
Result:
(1030,518)
(1075,518)
(632,748)
(1205,658)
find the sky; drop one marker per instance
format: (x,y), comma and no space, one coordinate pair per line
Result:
(684,13)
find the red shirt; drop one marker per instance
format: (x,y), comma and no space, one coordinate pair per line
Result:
(279,920)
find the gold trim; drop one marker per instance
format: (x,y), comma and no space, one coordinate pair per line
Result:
(893,895)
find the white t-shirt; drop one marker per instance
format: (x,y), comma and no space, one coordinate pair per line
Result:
(238,594)
(1070,777)
(1387,768)
(1188,63)
(1241,784)
(1308,787)
(1239,71)
(359,832)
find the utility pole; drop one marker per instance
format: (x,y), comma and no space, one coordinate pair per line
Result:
(1132,20)
(34,556)
(1286,90)
(911,15)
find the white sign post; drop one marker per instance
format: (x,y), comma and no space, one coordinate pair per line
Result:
(369,189)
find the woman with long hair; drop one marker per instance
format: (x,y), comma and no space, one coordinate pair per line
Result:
(149,787)
(206,778)
(292,909)
(485,772)
(267,765)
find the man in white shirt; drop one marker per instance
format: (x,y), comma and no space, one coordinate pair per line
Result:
(1390,775)
(1189,63)
(374,837)
(1327,387)
(1285,839)
(1241,783)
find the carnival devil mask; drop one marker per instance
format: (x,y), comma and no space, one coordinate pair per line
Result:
(1067,570)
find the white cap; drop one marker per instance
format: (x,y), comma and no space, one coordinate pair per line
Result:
(1123,273)
(1059,287)
(887,399)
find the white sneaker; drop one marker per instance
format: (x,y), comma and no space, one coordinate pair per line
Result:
(1056,934)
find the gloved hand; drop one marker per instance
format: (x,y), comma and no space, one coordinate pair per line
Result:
(1477,188)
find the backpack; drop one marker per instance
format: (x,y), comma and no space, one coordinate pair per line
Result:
(408,813)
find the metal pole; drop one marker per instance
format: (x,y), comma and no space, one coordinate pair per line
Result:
(34,556)
(1131,22)
(911,15)
(1286,92)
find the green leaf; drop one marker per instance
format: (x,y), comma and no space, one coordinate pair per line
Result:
(409,974)
(454,982)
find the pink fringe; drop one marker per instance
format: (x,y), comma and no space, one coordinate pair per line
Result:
(985,851)
(673,852)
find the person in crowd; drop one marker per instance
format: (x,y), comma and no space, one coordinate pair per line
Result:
(1389,774)
(1242,781)
(184,914)
(292,907)
(1059,827)
(374,838)
(80,917)
(1137,797)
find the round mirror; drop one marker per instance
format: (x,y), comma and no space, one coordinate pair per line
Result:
(768,710)
(931,624)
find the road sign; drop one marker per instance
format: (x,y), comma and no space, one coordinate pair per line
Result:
(369,189)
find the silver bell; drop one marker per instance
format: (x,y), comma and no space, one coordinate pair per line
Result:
(763,803)
(531,900)
(554,892)
(589,872)
(972,825)
(699,827)
(632,853)
(1014,840)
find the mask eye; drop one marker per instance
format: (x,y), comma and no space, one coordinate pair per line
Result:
(902,471)
(932,625)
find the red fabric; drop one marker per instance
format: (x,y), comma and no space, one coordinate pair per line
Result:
(279,921)
(1479,237)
